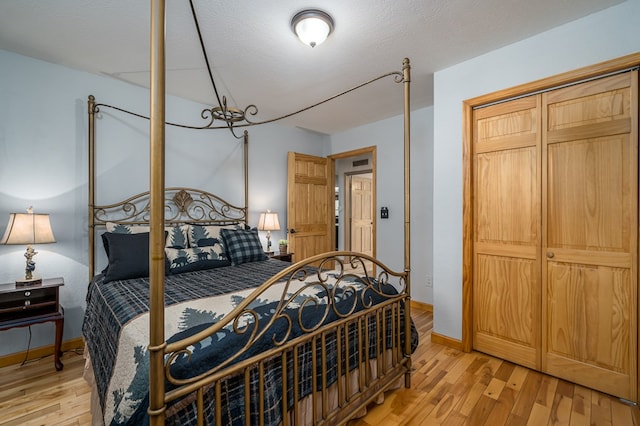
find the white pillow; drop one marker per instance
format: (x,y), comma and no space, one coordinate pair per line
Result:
(176,235)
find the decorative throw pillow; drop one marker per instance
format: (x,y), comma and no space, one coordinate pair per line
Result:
(243,245)
(195,259)
(176,235)
(128,255)
(207,236)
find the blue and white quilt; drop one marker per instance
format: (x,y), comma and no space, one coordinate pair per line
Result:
(116,328)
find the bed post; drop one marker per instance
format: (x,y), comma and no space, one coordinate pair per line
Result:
(406,68)
(157,344)
(91,105)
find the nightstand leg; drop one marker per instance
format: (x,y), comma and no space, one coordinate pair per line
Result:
(57,352)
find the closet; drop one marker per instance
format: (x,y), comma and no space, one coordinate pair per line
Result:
(554,178)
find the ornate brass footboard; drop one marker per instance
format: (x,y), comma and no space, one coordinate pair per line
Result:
(337,336)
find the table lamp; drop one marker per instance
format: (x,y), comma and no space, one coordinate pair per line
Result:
(28,228)
(268,222)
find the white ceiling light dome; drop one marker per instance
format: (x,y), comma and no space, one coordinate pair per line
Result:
(312,26)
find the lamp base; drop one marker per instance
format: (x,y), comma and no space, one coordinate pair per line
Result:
(24,282)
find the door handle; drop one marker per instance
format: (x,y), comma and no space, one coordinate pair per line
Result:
(550,254)
(292,231)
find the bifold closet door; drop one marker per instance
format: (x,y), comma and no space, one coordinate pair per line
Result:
(555,225)
(506,290)
(590,228)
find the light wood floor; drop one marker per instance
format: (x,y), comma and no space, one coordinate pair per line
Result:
(449,387)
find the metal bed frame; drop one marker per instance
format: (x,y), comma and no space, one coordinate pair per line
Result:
(332,404)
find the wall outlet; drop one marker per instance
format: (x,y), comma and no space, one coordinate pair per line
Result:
(429,281)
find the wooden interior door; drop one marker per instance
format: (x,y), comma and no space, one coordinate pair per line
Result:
(506,179)
(361,214)
(590,189)
(310,205)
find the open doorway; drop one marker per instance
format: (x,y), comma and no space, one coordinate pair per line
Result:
(355,200)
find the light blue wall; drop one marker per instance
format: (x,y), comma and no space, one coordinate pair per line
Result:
(43,163)
(608,34)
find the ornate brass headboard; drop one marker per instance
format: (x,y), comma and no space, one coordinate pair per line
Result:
(182,205)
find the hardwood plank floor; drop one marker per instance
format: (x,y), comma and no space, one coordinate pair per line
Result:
(449,387)
(35,394)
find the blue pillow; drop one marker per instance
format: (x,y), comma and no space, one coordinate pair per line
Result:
(243,245)
(128,255)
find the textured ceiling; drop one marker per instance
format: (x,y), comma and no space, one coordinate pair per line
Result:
(256,59)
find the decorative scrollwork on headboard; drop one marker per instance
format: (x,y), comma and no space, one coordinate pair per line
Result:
(182,205)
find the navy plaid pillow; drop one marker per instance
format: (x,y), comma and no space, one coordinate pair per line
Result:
(243,245)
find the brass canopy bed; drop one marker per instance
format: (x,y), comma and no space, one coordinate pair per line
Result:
(190,322)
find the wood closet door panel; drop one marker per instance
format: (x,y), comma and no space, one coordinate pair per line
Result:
(589,315)
(506,308)
(590,194)
(506,291)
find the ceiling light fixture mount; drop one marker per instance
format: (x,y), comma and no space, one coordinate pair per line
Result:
(312,26)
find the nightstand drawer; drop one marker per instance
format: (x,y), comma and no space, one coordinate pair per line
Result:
(285,257)
(27,297)
(28,302)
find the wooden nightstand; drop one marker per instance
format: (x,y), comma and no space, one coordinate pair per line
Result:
(287,257)
(29,305)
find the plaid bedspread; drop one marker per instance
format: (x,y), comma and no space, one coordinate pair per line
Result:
(116,331)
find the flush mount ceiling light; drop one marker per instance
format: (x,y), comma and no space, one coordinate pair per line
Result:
(312,26)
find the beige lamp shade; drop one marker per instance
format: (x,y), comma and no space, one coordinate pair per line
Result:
(28,228)
(268,221)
